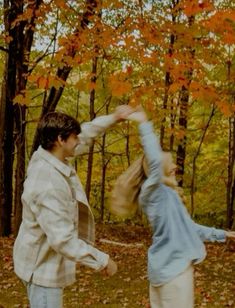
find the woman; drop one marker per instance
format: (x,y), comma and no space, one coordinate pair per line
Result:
(177,241)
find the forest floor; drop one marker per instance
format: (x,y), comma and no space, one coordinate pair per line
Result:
(214,278)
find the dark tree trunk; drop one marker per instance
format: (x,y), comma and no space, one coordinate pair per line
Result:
(7,116)
(194,168)
(173,120)
(103,178)
(24,38)
(183,117)
(6,148)
(168,82)
(231,174)
(183,120)
(127,148)
(20,124)
(92,116)
(50,104)
(168,79)
(105,162)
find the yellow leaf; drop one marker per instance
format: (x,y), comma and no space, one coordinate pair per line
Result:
(56,82)
(82,85)
(23,99)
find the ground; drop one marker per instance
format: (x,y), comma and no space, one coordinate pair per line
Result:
(214,278)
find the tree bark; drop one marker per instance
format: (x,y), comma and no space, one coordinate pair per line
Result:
(24,39)
(168,79)
(183,120)
(103,178)
(20,125)
(6,148)
(194,168)
(172,120)
(231,174)
(92,116)
(50,104)
(7,116)
(183,117)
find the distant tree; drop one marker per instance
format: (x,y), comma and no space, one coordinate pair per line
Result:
(19,36)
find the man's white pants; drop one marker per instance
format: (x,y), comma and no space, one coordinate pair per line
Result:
(178,293)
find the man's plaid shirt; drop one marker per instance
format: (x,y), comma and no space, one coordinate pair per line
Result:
(57,227)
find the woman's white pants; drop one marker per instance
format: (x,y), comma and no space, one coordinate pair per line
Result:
(178,293)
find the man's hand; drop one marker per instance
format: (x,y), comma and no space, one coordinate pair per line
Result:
(125,112)
(139,115)
(122,112)
(111,268)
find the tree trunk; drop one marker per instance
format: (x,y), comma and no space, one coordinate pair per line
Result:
(183,120)
(105,162)
(127,148)
(24,39)
(168,82)
(168,79)
(173,120)
(231,174)
(7,147)
(194,168)
(49,105)
(20,124)
(183,117)
(92,116)
(231,157)
(7,116)
(103,178)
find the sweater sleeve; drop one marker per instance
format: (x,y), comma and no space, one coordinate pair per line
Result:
(153,156)
(90,130)
(55,218)
(210,234)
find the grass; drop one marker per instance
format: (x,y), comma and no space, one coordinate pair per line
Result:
(214,278)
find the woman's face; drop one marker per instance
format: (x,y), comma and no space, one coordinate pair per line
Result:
(169,167)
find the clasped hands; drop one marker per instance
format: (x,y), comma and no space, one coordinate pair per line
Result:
(126,112)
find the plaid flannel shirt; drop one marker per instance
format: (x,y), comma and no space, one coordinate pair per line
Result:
(57,228)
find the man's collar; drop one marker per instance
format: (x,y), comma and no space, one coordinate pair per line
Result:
(62,167)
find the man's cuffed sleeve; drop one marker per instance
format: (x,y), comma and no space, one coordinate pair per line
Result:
(56,219)
(90,130)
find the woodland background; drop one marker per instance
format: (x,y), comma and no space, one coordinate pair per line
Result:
(177,59)
(85,58)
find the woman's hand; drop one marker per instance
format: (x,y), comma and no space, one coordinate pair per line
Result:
(122,112)
(139,115)
(230,234)
(126,112)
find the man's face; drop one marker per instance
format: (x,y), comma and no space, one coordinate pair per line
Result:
(68,146)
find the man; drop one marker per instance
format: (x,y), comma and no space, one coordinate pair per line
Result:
(57,228)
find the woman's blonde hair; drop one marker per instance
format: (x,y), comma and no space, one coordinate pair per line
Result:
(169,181)
(124,196)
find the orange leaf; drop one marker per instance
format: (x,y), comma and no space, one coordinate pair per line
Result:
(225,108)
(22,99)
(43,82)
(118,87)
(174,87)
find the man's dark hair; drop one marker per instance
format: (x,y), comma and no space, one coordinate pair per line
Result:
(55,124)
